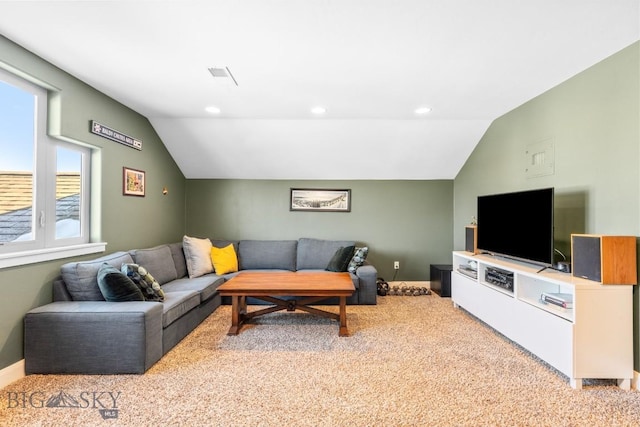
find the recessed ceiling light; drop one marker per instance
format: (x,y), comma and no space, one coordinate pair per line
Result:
(423,110)
(318,110)
(212,110)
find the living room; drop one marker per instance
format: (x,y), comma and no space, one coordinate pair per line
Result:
(591,119)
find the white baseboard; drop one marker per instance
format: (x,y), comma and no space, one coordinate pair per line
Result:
(12,373)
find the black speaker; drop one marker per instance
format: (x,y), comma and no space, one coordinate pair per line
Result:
(471,239)
(585,257)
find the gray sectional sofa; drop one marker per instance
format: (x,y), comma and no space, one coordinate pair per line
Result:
(81,333)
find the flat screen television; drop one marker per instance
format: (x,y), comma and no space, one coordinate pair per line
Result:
(517,225)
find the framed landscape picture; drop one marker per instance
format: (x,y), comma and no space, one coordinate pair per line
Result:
(320,200)
(133,182)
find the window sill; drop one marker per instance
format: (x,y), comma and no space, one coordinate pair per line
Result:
(49,254)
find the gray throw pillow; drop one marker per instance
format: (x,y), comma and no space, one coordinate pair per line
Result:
(116,286)
(197,253)
(340,260)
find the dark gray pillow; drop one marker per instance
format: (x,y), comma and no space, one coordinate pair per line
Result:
(340,260)
(116,286)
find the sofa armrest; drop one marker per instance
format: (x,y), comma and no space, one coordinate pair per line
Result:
(93,337)
(368,290)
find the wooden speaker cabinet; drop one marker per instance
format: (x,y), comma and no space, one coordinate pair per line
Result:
(471,239)
(609,260)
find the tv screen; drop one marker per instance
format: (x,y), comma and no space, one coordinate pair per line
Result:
(517,225)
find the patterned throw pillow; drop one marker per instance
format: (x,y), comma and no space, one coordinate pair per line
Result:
(149,286)
(358,259)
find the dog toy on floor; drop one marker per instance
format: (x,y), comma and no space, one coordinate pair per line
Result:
(385,289)
(409,291)
(383,286)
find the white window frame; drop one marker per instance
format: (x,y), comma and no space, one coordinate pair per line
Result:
(45,247)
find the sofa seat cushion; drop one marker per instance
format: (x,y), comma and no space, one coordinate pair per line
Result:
(315,254)
(177,304)
(205,285)
(158,261)
(82,277)
(268,254)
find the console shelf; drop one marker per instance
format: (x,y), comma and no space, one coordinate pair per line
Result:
(591,338)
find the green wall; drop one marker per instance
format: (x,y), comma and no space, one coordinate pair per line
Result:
(593,122)
(125,222)
(406,221)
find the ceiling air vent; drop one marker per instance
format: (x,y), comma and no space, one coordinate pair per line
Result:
(222,72)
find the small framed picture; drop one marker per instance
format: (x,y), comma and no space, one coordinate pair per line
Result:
(320,200)
(132,182)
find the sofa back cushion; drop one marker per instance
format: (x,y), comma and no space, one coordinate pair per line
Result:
(267,254)
(178,259)
(60,291)
(221,243)
(158,261)
(82,277)
(315,254)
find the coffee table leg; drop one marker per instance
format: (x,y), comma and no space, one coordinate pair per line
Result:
(344,332)
(235,315)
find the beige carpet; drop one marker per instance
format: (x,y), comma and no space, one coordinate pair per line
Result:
(411,361)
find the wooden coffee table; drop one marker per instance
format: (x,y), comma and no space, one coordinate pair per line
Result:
(267,286)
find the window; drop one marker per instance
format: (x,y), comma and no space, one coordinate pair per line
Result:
(44,182)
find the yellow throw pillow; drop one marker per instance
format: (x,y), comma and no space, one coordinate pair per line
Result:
(224,260)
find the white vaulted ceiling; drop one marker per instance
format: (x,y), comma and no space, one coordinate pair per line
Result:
(370,63)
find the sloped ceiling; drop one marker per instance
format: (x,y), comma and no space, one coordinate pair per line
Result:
(370,63)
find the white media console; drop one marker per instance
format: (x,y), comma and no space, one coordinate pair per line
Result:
(593,338)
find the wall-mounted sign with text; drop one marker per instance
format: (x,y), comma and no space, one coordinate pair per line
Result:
(114,135)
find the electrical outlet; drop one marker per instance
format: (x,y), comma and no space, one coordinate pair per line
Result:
(396,265)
